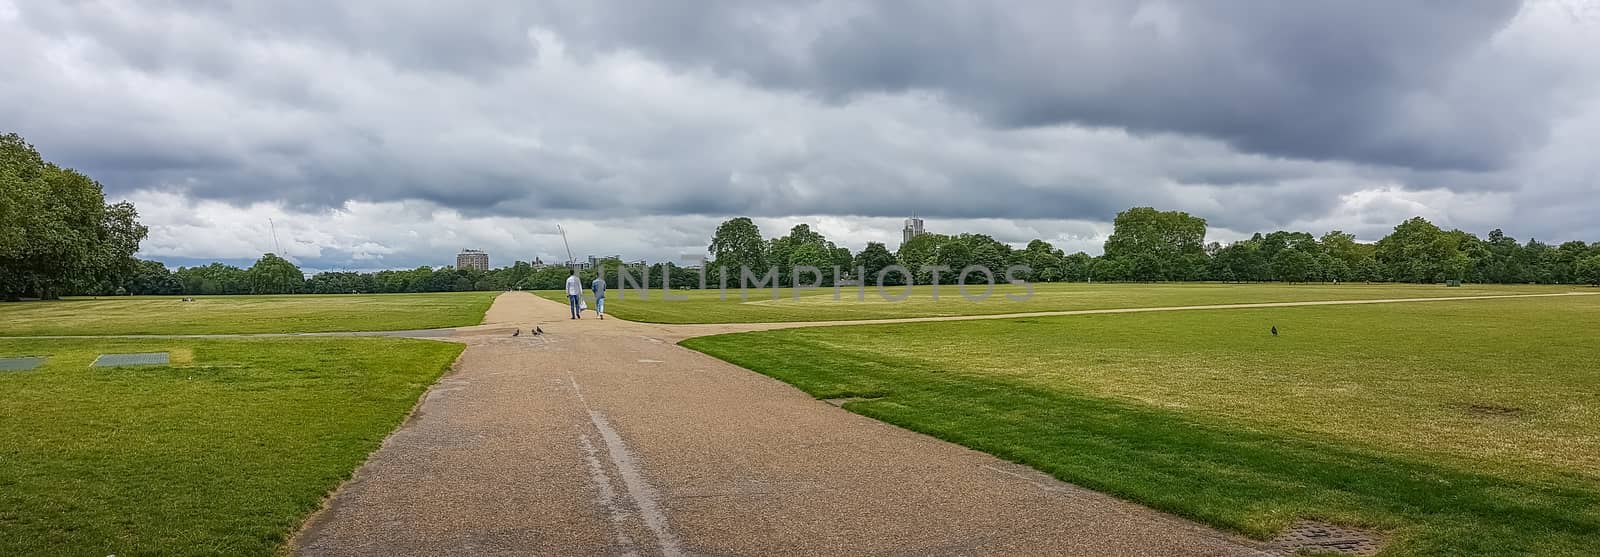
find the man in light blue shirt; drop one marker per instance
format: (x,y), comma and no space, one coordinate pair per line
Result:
(599,288)
(574,292)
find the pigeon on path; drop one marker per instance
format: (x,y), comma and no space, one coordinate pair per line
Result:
(537,330)
(517,333)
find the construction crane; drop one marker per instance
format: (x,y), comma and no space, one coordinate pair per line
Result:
(275,247)
(570,259)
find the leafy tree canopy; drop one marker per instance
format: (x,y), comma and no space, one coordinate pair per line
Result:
(57,234)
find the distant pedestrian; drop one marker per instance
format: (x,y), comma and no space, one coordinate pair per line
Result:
(599,288)
(574,293)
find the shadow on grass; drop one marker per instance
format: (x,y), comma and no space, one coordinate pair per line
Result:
(1255,482)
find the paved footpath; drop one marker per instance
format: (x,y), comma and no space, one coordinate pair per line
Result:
(605,438)
(510,319)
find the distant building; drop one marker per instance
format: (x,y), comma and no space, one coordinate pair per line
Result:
(472,259)
(595,261)
(913,229)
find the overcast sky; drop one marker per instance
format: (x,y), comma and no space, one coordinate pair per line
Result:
(393,133)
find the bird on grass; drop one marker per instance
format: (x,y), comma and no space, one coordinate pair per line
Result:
(1274,330)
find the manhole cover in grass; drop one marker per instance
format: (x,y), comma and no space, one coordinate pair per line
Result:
(141,359)
(24,363)
(1322,538)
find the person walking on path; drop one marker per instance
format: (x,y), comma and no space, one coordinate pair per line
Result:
(574,293)
(599,288)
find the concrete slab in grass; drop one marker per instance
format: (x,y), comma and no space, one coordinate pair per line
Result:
(140,359)
(24,363)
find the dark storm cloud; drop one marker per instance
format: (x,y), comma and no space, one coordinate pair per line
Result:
(468,37)
(1361,81)
(1256,115)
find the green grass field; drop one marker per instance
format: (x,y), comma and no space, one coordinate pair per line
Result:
(705,306)
(1459,428)
(224,452)
(244,314)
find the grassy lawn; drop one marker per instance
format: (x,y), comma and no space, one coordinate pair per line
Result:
(704,306)
(244,314)
(1460,428)
(224,452)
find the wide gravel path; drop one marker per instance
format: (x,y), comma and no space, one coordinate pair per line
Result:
(605,438)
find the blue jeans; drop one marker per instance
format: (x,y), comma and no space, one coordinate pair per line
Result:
(573,300)
(600,305)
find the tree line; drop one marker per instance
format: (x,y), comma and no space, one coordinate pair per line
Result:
(275,275)
(1145,245)
(59,237)
(1151,245)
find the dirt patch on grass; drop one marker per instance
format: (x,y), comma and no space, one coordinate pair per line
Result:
(841,401)
(1491,410)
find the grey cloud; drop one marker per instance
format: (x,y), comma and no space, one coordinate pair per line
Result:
(1256,115)
(1271,207)
(1357,81)
(470,37)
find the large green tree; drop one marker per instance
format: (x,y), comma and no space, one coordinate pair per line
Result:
(275,275)
(1076,267)
(737,244)
(920,251)
(1564,261)
(215,278)
(1588,270)
(1158,245)
(1294,265)
(872,260)
(1107,269)
(151,278)
(1044,261)
(806,247)
(1418,251)
(340,282)
(985,252)
(815,256)
(1346,255)
(118,239)
(57,234)
(1240,261)
(1501,263)
(954,253)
